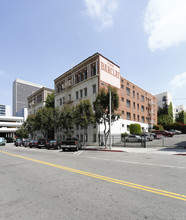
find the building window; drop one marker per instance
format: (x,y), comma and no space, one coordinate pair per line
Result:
(142,108)
(123,113)
(60,101)
(122,80)
(128,115)
(93,69)
(77,95)
(77,79)
(138,107)
(142,119)
(142,98)
(85,74)
(134,105)
(122,86)
(94,89)
(128,128)
(138,117)
(81,77)
(134,117)
(128,91)
(85,91)
(81,93)
(128,103)
(133,94)
(122,99)
(138,96)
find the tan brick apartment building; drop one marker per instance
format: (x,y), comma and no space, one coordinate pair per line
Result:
(84,81)
(37,100)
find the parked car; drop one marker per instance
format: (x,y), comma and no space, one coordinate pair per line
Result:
(2,141)
(9,140)
(18,143)
(175,131)
(71,143)
(164,133)
(41,143)
(26,143)
(147,137)
(133,138)
(53,144)
(32,144)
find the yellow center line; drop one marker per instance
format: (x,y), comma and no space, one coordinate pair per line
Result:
(121,182)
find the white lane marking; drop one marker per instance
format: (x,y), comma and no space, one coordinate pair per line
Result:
(131,162)
(78,152)
(134,162)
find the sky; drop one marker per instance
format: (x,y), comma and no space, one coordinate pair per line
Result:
(42,39)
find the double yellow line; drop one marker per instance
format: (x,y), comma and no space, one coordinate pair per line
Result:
(121,182)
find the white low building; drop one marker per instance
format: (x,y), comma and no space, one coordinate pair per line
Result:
(9,125)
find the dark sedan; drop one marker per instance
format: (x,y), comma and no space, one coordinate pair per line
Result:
(32,144)
(18,143)
(53,144)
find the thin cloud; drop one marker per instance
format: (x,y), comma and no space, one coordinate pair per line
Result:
(178,81)
(2,73)
(101,12)
(165,23)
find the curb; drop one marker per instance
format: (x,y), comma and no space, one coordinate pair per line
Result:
(180,154)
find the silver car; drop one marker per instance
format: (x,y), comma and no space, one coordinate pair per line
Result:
(133,138)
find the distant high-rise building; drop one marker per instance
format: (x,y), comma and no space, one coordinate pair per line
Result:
(4,110)
(21,90)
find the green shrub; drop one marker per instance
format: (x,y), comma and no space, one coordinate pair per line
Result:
(124,134)
(135,128)
(158,127)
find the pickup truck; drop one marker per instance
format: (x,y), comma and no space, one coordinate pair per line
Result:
(71,144)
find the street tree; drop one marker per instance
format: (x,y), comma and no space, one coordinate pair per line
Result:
(67,119)
(22,132)
(44,122)
(101,108)
(83,116)
(50,100)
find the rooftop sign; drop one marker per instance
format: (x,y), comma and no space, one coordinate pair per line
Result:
(109,73)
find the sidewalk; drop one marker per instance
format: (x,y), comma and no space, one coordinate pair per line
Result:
(150,150)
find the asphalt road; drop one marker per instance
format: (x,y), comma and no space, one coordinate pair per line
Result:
(50,184)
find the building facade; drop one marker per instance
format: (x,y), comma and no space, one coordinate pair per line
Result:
(177,109)
(9,125)
(163,99)
(21,90)
(37,100)
(4,110)
(86,79)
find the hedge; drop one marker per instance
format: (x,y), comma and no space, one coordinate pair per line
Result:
(176,126)
(135,128)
